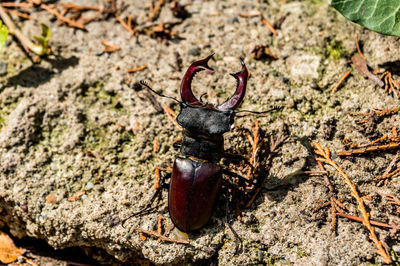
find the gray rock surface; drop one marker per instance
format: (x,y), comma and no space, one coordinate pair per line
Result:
(72,126)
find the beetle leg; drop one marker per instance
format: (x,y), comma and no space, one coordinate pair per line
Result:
(233,174)
(228,222)
(236,157)
(156,196)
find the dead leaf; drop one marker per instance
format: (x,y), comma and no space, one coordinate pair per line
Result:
(77,196)
(8,251)
(362,67)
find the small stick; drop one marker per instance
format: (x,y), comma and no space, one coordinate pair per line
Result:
(130,21)
(250,15)
(154,102)
(326,177)
(358,47)
(164,238)
(126,26)
(340,81)
(108,47)
(333,213)
(389,146)
(359,219)
(325,157)
(79,8)
(85,21)
(374,142)
(253,198)
(171,115)
(387,176)
(389,168)
(159,225)
(156,145)
(269,26)
(70,22)
(156,10)
(323,205)
(36,2)
(20,14)
(157,181)
(14,30)
(136,69)
(23,5)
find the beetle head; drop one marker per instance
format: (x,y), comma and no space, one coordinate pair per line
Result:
(231,104)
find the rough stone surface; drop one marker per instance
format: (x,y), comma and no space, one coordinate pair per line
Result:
(72,127)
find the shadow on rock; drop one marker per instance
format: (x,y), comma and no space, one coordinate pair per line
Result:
(393,67)
(34,75)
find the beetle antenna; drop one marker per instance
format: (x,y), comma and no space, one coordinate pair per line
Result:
(144,83)
(274,108)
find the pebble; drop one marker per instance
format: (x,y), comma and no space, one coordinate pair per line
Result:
(194,52)
(89,185)
(3,68)
(232,20)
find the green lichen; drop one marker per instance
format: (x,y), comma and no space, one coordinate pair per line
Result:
(335,51)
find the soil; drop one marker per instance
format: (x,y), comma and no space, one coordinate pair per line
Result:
(76,134)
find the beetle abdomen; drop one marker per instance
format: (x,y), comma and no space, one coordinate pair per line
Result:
(193,189)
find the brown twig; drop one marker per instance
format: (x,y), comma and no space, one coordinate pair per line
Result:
(159,225)
(70,22)
(390,146)
(156,145)
(11,4)
(157,179)
(156,10)
(126,26)
(325,158)
(77,196)
(251,15)
(36,2)
(269,26)
(390,85)
(340,81)
(163,238)
(76,7)
(253,198)
(358,47)
(359,219)
(108,47)
(171,115)
(387,174)
(20,14)
(14,30)
(136,69)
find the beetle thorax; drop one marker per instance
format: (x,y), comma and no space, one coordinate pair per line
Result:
(205,121)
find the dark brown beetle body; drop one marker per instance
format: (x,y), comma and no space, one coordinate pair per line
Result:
(196,175)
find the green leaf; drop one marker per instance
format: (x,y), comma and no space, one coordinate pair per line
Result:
(44,38)
(3,34)
(382,16)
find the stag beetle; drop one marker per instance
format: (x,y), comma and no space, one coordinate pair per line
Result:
(197,174)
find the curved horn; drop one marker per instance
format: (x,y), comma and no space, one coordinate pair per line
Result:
(237,97)
(186,86)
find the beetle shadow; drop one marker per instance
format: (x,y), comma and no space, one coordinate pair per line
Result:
(35,75)
(393,67)
(274,188)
